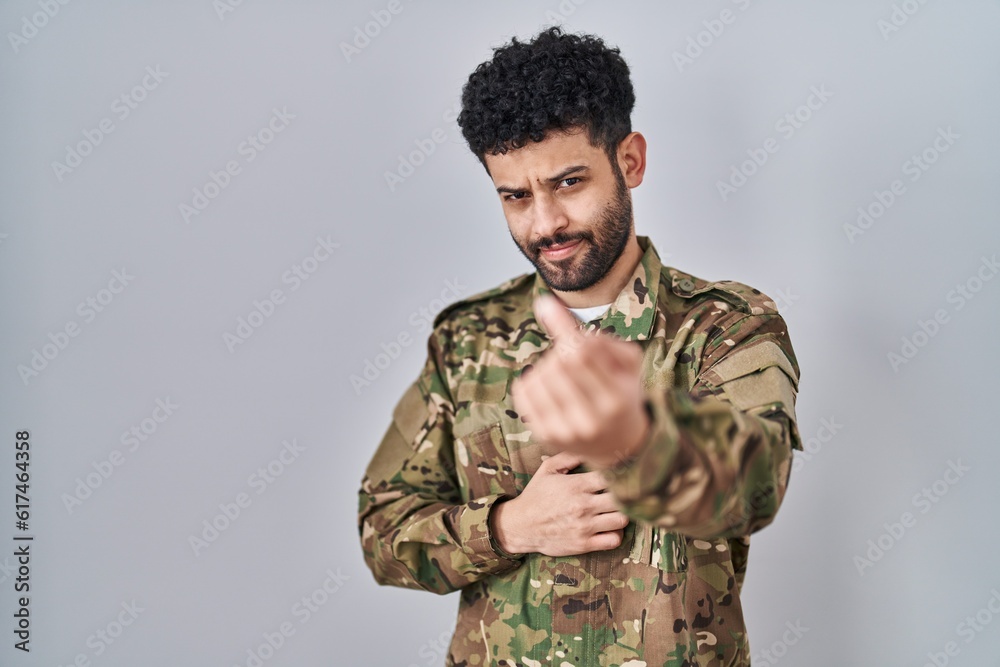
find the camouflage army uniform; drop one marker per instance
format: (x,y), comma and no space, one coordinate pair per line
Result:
(721,380)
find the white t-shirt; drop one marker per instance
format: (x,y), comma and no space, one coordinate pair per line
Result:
(591,313)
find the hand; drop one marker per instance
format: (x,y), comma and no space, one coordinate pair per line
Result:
(559,514)
(585,394)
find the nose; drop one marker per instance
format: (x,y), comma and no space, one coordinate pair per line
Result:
(548,217)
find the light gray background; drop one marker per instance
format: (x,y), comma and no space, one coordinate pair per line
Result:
(847,304)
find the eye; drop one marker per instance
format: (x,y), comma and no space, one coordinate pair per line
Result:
(571,178)
(515,196)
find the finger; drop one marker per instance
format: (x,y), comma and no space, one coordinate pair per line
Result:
(559,323)
(587,385)
(614,357)
(591,482)
(524,394)
(591,390)
(568,389)
(611,539)
(609,521)
(594,373)
(623,355)
(603,503)
(539,406)
(562,462)
(611,377)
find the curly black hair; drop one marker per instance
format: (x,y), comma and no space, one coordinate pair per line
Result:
(557,81)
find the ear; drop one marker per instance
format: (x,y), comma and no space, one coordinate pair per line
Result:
(632,158)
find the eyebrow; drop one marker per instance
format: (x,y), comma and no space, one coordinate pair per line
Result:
(552,179)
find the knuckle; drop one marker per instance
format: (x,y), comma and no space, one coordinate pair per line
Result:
(596,483)
(586,428)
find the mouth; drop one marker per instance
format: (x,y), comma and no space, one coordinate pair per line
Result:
(560,250)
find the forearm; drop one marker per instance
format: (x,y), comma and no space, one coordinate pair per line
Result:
(416,531)
(511,536)
(438,547)
(707,469)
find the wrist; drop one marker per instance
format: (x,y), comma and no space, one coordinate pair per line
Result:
(503,529)
(623,457)
(645,432)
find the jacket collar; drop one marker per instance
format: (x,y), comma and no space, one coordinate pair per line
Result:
(633,311)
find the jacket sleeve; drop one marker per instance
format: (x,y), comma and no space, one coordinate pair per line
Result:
(718,459)
(415,530)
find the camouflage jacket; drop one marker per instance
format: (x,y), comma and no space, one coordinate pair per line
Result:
(721,380)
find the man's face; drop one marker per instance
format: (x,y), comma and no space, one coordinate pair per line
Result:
(567,207)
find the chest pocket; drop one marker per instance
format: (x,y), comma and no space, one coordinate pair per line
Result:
(494,450)
(483,465)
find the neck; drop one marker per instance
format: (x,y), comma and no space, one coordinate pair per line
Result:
(607,288)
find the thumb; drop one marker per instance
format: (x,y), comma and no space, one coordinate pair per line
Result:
(561,463)
(627,355)
(558,322)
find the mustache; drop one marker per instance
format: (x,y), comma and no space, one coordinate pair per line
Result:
(559,239)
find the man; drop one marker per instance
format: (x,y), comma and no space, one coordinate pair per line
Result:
(589,486)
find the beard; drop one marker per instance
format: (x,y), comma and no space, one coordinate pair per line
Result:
(603,243)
